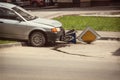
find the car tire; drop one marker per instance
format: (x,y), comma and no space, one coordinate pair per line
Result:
(37,39)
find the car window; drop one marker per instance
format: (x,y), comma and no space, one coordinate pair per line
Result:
(7,14)
(24,13)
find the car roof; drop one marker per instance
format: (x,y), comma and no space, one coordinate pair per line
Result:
(6,5)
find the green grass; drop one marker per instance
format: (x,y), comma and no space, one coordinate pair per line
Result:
(97,23)
(5,41)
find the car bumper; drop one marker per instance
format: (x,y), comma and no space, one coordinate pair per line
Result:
(56,36)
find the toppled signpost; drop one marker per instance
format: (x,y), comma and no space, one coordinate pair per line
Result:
(87,36)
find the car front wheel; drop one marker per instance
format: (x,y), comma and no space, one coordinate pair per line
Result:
(37,39)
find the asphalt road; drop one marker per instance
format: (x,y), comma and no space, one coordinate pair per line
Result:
(50,63)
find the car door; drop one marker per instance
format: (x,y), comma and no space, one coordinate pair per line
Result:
(10,26)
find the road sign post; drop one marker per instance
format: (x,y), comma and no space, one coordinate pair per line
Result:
(88,35)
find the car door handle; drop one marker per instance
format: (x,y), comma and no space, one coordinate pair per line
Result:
(1,22)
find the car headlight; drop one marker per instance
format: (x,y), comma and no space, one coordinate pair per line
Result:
(55,29)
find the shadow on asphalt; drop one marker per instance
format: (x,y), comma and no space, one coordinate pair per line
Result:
(60,45)
(117,52)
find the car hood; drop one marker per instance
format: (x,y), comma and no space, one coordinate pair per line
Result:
(52,23)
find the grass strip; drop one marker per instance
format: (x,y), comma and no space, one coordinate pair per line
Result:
(97,23)
(5,41)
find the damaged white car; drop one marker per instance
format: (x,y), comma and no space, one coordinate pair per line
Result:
(17,24)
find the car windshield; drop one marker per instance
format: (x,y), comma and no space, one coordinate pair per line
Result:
(24,13)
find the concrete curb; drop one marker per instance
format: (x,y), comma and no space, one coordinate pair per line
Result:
(110,38)
(104,36)
(20,44)
(100,14)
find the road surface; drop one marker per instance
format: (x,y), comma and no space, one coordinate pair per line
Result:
(51,63)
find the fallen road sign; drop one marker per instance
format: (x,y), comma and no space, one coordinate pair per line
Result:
(88,35)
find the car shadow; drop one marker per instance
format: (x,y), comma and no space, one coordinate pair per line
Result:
(51,44)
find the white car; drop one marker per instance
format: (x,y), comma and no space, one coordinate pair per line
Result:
(17,24)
